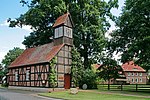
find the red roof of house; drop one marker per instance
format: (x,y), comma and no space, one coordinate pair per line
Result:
(130,66)
(61,20)
(36,55)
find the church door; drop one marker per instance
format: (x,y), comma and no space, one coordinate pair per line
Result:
(67,81)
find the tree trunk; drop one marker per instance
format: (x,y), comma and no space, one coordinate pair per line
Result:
(85,55)
(109,84)
(86,65)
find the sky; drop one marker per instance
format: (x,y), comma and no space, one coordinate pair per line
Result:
(13,37)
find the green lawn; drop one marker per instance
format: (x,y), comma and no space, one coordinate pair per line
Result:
(90,96)
(131,87)
(144,88)
(0,86)
(127,89)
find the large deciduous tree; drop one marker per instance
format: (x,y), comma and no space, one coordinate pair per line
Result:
(11,56)
(89,17)
(109,70)
(133,36)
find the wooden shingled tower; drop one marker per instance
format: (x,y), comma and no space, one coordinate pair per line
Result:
(63,30)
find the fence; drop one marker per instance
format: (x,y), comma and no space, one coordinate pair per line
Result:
(122,87)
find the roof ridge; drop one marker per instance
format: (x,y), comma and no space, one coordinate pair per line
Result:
(36,55)
(61,19)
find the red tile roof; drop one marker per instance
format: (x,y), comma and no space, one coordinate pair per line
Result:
(61,20)
(36,55)
(130,66)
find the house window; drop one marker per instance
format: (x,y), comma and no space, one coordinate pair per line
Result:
(16,76)
(132,74)
(129,73)
(129,79)
(140,74)
(136,74)
(136,80)
(70,33)
(132,79)
(140,79)
(27,75)
(66,32)
(60,31)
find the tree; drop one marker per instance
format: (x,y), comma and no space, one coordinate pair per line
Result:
(77,67)
(10,57)
(1,72)
(133,36)
(109,70)
(40,16)
(89,78)
(89,17)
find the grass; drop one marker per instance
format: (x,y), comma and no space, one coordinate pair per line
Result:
(127,89)
(90,96)
(1,86)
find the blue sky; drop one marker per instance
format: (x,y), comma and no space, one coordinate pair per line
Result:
(10,37)
(13,37)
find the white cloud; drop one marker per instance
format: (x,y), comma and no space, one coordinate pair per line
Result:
(27,28)
(24,27)
(2,54)
(22,46)
(107,34)
(5,23)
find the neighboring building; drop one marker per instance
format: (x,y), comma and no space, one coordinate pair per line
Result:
(32,67)
(134,73)
(130,74)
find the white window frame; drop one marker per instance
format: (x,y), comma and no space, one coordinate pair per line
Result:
(65,31)
(71,33)
(140,74)
(136,74)
(60,31)
(56,33)
(129,73)
(27,75)
(140,79)
(132,73)
(129,79)
(132,80)
(16,76)
(136,80)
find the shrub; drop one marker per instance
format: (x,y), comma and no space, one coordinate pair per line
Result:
(89,78)
(5,85)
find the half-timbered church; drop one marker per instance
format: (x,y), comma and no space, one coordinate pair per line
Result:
(32,67)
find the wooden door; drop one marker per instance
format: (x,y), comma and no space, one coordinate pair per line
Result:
(67,81)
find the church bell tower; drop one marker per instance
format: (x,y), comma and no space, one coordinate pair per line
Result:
(63,30)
